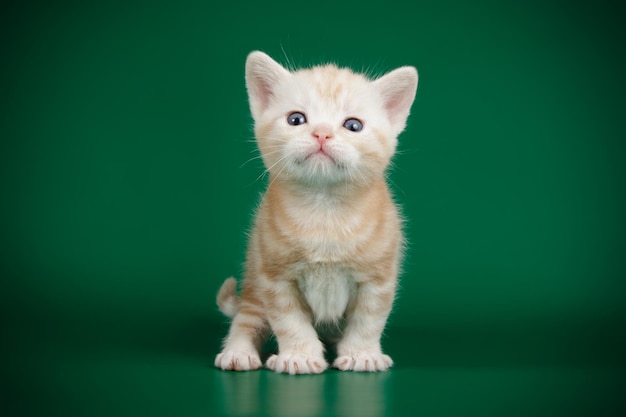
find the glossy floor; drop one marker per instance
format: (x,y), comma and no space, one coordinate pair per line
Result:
(91,372)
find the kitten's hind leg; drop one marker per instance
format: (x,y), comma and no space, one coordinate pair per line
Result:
(248,331)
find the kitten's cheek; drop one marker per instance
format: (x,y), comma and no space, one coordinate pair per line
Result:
(302,152)
(345,157)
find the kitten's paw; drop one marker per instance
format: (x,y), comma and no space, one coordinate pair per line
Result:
(231,360)
(296,363)
(363,362)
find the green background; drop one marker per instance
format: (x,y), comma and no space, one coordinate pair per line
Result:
(127,185)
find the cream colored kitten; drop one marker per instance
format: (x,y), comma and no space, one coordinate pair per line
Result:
(327,239)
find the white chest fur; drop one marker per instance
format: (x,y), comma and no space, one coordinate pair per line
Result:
(327,289)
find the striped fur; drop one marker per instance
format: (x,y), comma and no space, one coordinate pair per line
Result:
(326,243)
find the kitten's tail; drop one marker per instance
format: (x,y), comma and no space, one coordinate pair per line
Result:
(227,299)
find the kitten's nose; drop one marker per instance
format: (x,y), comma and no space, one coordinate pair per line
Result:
(322,133)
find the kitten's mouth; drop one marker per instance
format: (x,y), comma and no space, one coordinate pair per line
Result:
(320,153)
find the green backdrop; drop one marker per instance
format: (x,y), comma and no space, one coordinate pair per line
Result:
(128,181)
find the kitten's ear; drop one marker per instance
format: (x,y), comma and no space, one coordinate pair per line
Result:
(262,75)
(397,89)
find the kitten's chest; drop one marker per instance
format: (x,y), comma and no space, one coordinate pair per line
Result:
(327,249)
(327,289)
(327,235)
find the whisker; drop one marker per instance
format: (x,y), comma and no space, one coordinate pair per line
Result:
(362,175)
(277,175)
(250,160)
(279,140)
(259,157)
(267,171)
(290,65)
(396,187)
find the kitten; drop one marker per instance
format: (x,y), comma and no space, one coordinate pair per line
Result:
(327,240)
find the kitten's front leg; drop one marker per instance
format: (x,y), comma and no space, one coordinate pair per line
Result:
(299,349)
(359,349)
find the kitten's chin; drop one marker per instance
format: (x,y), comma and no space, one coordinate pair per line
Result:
(319,168)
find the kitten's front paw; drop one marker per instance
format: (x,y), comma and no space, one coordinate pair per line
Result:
(231,360)
(296,363)
(363,362)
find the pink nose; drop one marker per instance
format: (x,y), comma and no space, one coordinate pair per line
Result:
(322,133)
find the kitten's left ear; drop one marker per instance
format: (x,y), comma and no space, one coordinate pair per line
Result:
(262,76)
(397,89)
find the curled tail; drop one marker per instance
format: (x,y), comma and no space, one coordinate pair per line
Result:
(227,299)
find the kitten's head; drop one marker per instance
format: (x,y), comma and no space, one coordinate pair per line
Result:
(325,125)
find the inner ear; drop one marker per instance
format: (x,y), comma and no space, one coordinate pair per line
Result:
(397,89)
(262,76)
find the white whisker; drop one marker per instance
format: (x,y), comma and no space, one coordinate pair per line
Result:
(267,171)
(260,156)
(277,175)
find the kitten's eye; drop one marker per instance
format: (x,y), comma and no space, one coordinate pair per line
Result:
(353,125)
(296,119)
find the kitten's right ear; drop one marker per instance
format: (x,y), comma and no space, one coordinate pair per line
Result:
(262,76)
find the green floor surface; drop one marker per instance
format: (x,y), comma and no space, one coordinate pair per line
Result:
(164,368)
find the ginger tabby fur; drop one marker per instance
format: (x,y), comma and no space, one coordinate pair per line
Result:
(326,244)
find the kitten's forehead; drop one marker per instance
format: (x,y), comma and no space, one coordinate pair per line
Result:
(331,82)
(326,93)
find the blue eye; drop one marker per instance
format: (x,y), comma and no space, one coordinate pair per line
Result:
(353,125)
(296,119)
